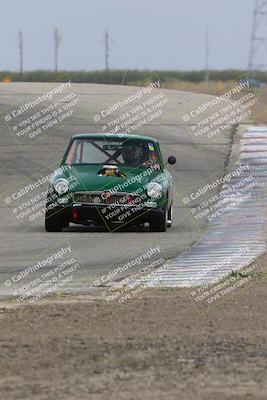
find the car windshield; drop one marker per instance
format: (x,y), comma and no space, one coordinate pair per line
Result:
(119,152)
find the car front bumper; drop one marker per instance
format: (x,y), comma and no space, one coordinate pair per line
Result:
(88,213)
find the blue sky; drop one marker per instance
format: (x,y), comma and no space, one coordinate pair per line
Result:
(150,34)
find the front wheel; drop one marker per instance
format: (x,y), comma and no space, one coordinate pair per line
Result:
(54,222)
(169,220)
(159,221)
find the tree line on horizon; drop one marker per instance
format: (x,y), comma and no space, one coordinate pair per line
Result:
(128,77)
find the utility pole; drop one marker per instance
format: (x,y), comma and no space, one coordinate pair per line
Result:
(57,40)
(258,44)
(20,52)
(207,51)
(107,51)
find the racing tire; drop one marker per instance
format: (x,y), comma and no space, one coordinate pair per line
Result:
(54,223)
(158,222)
(169,220)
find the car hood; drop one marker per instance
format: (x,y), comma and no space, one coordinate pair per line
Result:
(86,178)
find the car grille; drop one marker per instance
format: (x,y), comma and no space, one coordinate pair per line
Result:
(104,198)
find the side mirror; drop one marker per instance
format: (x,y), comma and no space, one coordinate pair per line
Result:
(171,160)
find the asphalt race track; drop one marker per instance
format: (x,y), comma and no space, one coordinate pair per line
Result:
(23,159)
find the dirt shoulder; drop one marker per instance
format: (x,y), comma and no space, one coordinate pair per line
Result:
(160,345)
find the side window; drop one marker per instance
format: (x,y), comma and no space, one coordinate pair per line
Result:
(73,153)
(78,153)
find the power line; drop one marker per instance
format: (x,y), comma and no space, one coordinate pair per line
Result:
(107,44)
(258,43)
(20,52)
(207,50)
(57,39)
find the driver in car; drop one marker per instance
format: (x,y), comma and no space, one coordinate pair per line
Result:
(135,154)
(132,154)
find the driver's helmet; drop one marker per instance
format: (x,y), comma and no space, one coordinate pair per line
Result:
(132,153)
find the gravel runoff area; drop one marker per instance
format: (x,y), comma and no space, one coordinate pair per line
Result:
(158,346)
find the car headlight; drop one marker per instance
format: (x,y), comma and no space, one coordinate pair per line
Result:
(154,190)
(61,186)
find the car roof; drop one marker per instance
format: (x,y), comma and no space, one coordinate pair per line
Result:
(113,136)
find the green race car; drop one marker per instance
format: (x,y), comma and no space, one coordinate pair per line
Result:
(113,180)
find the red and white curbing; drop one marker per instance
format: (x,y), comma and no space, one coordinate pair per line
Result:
(237,237)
